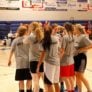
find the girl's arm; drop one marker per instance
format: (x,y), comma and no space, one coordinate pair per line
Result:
(85,49)
(61,53)
(10,57)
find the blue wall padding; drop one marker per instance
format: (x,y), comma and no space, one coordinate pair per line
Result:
(6,26)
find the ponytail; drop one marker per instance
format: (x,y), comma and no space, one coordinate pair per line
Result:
(47,39)
(39,34)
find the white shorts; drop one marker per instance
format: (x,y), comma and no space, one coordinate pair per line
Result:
(52,72)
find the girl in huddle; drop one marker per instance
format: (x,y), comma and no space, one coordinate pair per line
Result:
(21,52)
(50,52)
(83,44)
(67,61)
(34,40)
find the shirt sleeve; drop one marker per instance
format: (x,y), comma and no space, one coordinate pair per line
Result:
(41,47)
(13,45)
(86,41)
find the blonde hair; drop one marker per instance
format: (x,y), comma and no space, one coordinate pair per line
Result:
(80,28)
(54,25)
(34,25)
(61,28)
(37,30)
(39,34)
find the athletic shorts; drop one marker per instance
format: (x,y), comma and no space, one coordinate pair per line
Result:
(67,71)
(52,73)
(33,67)
(80,62)
(46,80)
(23,74)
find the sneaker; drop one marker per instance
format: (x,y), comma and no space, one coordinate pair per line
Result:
(76,89)
(62,88)
(40,90)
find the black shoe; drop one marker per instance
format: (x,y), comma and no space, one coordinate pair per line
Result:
(62,89)
(29,90)
(21,90)
(40,90)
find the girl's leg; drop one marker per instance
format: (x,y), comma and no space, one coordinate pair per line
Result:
(46,88)
(57,87)
(67,83)
(35,79)
(71,79)
(21,86)
(85,81)
(29,85)
(50,88)
(78,82)
(41,76)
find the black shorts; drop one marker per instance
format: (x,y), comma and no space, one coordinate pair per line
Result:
(23,74)
(80,62)
(33,66)
(46,80)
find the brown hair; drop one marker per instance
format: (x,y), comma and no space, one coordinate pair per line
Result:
(21,30)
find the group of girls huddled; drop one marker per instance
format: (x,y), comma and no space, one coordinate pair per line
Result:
(55,53)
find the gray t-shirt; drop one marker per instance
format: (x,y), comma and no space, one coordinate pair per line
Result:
(52,56)
(34,51)
(68,46)
(21,52)
(82,41)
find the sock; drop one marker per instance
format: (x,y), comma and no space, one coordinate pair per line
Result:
(21,90)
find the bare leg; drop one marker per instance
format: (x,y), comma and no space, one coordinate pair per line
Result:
(46,88)
(41,76)
(78,82)
(29,84)
(67,83)
(50,88)
(35,82)
(71,79)
(85,81)
(57,87)
(21,85)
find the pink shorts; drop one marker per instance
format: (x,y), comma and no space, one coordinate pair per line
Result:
(67,71)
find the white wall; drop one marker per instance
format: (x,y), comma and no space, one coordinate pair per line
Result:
(28,14)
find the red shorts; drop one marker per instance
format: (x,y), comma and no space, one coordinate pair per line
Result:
(67,71)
